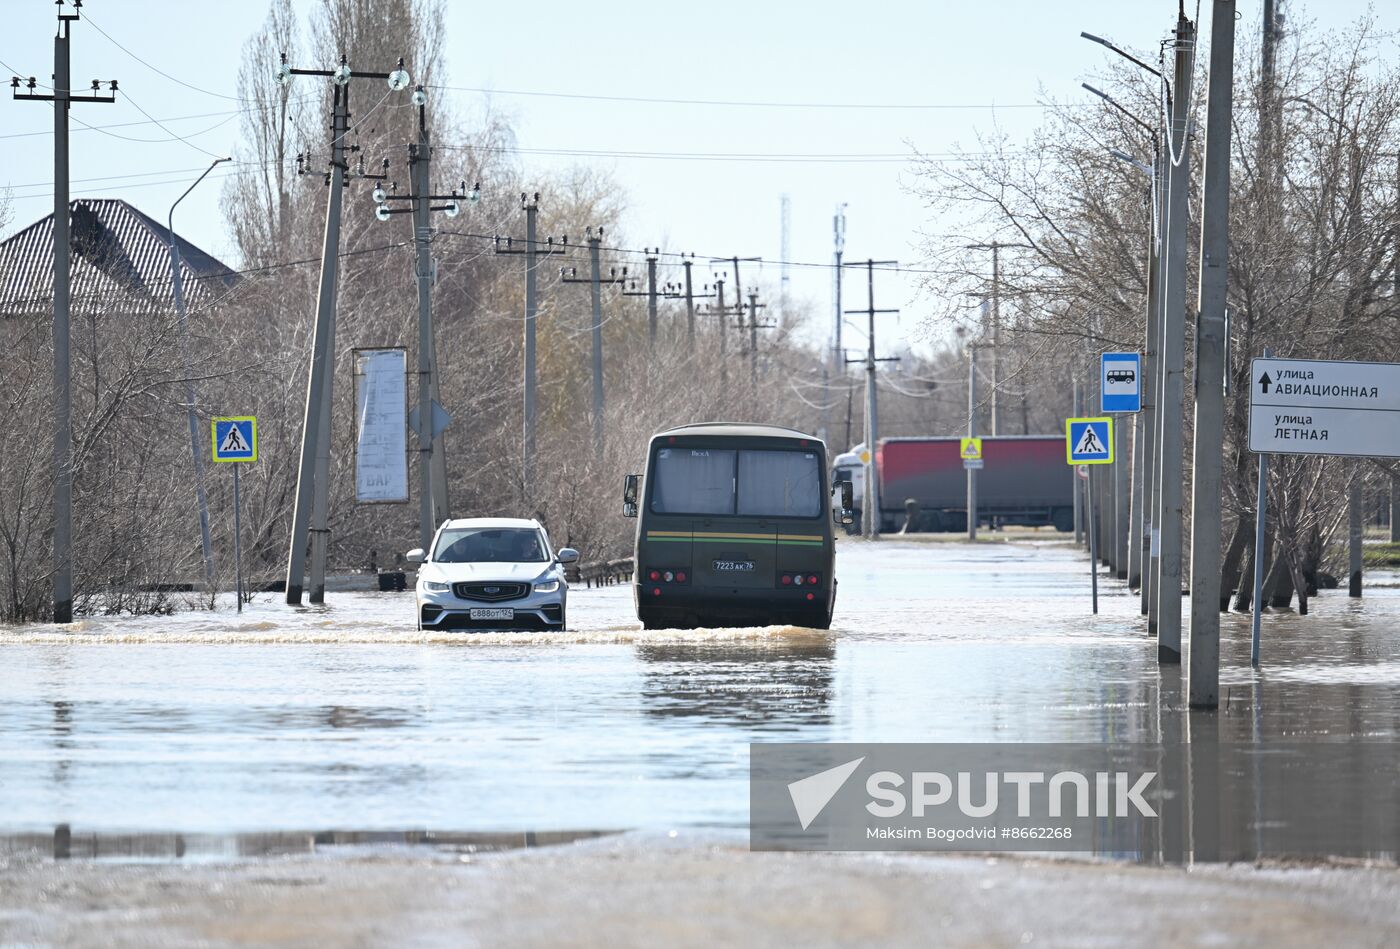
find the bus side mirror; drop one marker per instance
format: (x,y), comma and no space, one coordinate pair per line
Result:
(629,495)
(847,514)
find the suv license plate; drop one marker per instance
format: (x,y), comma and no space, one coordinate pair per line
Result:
(493,614)
(723,566)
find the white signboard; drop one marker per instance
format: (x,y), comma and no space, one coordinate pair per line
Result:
(381,432)
(1317,407)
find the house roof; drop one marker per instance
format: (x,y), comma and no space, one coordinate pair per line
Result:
(120,262)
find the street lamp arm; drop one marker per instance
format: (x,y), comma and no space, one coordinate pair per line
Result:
(170,219)
(1128,56)
(1113,102)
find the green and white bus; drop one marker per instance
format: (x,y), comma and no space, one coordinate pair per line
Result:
(733,528)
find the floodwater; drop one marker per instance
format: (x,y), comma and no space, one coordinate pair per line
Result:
(288,720)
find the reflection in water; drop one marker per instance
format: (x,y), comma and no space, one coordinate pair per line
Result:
(65,844)
(774,685)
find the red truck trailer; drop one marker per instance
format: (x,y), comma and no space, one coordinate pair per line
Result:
(1023,480)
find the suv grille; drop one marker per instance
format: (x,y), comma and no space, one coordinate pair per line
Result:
(490,592)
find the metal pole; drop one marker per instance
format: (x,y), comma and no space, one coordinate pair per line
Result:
(651,300)
(237,543)
(972,433)
(418,168)
(1209,428)
(595,264)
(1093,552)
(1174,355)
(1120,501)
(531,312)
(1354,536)
(62,392)
(872,416)
(1261,503)
(196,452)
(1151,383)
(689,303)
(322,354)
(1395,509)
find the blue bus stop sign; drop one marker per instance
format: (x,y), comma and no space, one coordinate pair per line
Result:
(1120,382)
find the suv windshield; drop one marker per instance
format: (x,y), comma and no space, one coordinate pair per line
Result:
(489,545)
(754,483)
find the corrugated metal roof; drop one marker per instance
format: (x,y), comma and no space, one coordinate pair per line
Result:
(120,263)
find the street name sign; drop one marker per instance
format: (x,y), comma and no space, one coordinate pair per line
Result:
(1089,441)
(235,439)
(1322,407)
(1120,382)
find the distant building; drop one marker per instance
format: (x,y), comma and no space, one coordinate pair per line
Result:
(120,264)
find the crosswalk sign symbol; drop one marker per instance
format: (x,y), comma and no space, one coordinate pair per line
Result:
(971,449)
(1089,441)
(235,439)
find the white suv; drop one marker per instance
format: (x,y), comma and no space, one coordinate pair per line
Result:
(492,573)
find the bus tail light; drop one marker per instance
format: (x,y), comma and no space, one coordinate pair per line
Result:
(664,575)
(799,579)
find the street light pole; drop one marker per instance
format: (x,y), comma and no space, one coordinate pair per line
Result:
(178,290)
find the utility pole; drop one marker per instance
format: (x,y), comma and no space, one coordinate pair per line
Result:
(315,438)
(532,252)
(62,99)
(1178,154)
(689,301)
(995,331)
(1074,471)
(432,463)
(1209,428)
(754,327)
(871,502)
(972,433)
(651,293)
(177,286)
(595,282)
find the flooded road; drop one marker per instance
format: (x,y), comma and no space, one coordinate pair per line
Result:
(288,720)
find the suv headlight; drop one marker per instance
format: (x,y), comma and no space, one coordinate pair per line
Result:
(433,586)
(547,586)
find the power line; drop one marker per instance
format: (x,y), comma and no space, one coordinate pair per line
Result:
(156,69)
(747,104)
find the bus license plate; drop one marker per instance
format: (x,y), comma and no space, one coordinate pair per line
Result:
(722,566)
(493,614)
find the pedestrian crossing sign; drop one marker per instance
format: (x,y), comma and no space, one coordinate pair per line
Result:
(1089,441)
(971,449)
(235,439)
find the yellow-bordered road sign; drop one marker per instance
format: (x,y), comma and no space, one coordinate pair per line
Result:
(1089,441)
(235,439)
(971,449)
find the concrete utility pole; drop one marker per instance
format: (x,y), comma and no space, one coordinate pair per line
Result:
(754,327)
(432,463)
(994,331)
(1209,428)
(313,485)
(62,99)
(177,285)
(972,433)
(871,501)
(1178,155)
(836,362)
(1074,470)
(532,253)
(689,302)
(595,281)
(652,293)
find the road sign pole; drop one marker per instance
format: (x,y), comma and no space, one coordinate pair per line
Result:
(237,544)
(972,433)
(1093,553)
(1260,514)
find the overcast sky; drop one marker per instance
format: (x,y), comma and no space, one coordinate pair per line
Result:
(967,67)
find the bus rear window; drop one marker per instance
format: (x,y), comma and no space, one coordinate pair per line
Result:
(779,484)
(693,481)
(752,483)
